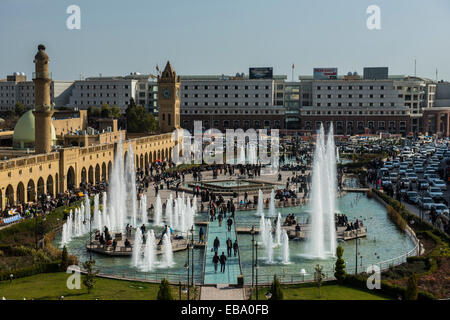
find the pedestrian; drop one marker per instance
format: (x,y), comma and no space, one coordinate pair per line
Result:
(222,259)
(216,244)
(220,219)
(201,235)
(229,246)
(235,247)
(215,261)
(229,223)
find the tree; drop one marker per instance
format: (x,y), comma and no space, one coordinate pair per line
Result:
(139,121)
(411,290)
(89,278)
(19,109)
(115,112)
(105,111)
(164,291)
(340,273)
(64,259)
(93,112)
(275,289)
(318,277)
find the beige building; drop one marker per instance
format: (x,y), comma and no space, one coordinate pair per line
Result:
(49,170)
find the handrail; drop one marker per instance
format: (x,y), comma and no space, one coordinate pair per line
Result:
(205,253)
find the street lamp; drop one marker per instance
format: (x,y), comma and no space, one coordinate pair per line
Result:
(252,232)
(256,267)
(192,259)
(186,267)
(356,254)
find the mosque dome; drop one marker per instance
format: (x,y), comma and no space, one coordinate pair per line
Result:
(23,136)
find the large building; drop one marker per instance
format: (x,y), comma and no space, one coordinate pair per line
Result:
(46,168)
(230,102)
(16,89)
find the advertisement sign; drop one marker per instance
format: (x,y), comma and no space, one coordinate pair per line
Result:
(261,73)
(325,73)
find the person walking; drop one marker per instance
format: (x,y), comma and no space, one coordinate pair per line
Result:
(220,219)
(223,260)
(215,261)
(216,244)
(235,247)
(229,223)
(201,235)
(229,246)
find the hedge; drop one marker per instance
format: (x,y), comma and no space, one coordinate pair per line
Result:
(31,270)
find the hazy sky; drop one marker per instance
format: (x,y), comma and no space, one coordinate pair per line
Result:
(224,37)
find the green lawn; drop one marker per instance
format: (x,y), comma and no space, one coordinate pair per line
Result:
(329,292)
(47,286)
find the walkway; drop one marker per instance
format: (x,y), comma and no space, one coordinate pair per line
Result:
(232,268)
(222,292)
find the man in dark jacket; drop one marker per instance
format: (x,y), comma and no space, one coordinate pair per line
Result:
(229,246)
(216,244)
(215,261)
(222,259)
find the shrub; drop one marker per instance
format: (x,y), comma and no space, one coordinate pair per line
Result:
(275,289)
(340,265)
(64,259)
(411,290)
(164,291)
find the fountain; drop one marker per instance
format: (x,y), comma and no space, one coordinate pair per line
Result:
(130,179)
(260,207)
(167,250)
(262,228)
(268,243)
(322,239)
(169,211)
(285,247)
(143,205)
(149,252)
(137,247)
(272,204)
(278,230)
(158,211)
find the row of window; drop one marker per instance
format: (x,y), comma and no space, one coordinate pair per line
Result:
(231,112)
(224,104)
(226,87)
(237,123)
(350,88)
(350,96)
(101,95)
(359,104)
(97,103)
(107,86)
(360,124)
(196,95)
(353,112)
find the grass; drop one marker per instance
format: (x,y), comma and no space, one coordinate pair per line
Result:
(328,292)
(50,286)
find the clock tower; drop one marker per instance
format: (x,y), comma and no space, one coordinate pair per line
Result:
(168,100)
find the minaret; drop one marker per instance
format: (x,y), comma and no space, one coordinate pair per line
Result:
(43,111)
(168,100)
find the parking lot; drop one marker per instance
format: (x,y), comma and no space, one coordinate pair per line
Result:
(418,178)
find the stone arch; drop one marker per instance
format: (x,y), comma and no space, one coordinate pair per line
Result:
(159,155)
(91,175)
(136,163)
(50,185)
(141,162)
(109,169)
(40,187)
(83,175)
(9,195)
(97,174)
(71,183)
(170,154)
(20,193)
(146,160)
(104,173)
(31,191)
(154,156)
(56,183)
(167,154)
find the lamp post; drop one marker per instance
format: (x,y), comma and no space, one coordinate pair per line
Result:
(356,255)
(252,232)
(256,267)
(186,267)
(192,258)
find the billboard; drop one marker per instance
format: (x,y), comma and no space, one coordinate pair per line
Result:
(261,73)
(325,73)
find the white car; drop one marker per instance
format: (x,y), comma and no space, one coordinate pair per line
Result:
(435,192)
(440,208)
(426,203)
(439,183)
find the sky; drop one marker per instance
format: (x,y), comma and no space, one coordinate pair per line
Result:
(204,37)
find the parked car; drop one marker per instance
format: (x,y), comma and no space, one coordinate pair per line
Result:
(426,202)
(435,193)
(439,183)
(412,197)
(423,184)
(440,208)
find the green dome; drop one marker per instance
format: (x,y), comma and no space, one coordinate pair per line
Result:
(23,136)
